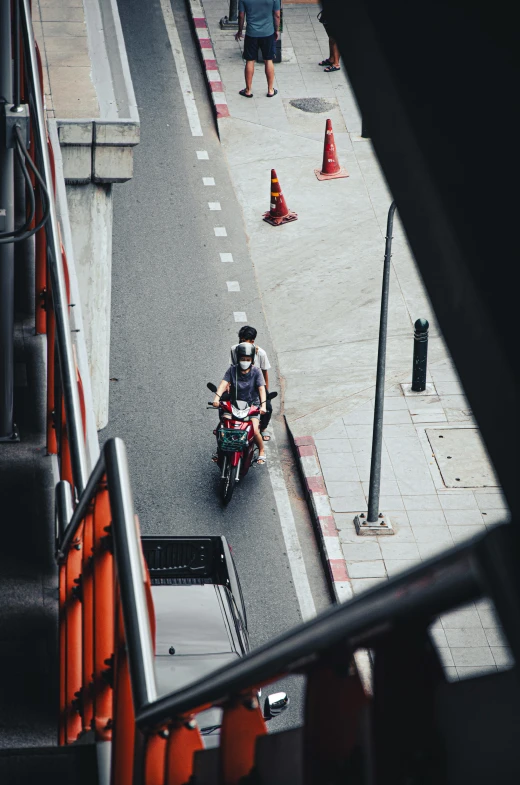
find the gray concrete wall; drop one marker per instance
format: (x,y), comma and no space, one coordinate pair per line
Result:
(77,322)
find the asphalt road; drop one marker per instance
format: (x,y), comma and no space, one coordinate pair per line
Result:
(173,324)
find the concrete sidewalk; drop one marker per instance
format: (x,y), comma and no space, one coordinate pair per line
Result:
(320,280)
(61,33)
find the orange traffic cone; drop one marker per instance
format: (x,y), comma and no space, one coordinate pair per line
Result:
(279,212)
(330,169)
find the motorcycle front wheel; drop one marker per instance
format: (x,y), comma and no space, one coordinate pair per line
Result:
(227,483)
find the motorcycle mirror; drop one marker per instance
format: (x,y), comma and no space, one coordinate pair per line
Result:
(272,395)
(274,704)
(212,387)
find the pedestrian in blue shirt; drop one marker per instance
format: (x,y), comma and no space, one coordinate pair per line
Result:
(263,25)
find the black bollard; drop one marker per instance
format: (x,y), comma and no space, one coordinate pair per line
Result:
(420,355)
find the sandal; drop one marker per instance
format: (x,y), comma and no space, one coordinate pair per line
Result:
(332,68)
(327,61)
(266,437)
(261,460)
(245,94)
(272,95)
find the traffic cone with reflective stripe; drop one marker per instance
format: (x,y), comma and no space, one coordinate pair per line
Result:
(279,212)
(330,169)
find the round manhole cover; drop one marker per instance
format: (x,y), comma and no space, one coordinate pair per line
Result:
(315,105)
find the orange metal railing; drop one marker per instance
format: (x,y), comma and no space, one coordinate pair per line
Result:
(87,648)
(95,683)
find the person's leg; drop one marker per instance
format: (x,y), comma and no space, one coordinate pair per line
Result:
(266,46)
(266,418)
(250,53)
(332,44)
(269,74)
(334,53)
(258,438)
(248,72)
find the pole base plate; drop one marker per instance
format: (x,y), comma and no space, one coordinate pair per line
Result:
(407,390)
(226,24)
(281,219)
(322,176)
(383,525)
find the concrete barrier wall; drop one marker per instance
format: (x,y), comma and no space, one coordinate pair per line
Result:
(77,322)
(96,153)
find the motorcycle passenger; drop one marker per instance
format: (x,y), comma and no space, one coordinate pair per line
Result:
(246,383)
(247,334)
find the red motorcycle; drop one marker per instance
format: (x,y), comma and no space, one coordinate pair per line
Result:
(236,446)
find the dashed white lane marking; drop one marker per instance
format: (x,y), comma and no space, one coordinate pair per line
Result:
(208,180)
(226,257)
(233,286)
(290,534)
(220,231)
(182,69)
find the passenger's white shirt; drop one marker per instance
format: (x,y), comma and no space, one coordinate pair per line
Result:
(261,360)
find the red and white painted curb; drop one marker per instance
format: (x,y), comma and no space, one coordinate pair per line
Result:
(323,517)
(210,61)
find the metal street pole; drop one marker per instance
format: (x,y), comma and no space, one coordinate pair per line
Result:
(377,433)
(7,430)
(374,517)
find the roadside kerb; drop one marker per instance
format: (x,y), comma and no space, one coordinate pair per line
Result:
(321,513)
(209,60)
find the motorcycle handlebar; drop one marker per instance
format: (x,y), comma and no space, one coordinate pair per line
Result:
(210,406)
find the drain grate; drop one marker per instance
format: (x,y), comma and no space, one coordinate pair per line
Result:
(314,105)
(461,457)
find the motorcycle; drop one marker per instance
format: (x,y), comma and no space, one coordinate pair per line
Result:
(236,446)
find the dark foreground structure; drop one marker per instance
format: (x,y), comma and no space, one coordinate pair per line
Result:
(437,85)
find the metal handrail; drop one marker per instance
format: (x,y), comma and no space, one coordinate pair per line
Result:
(131,576)
(57,274)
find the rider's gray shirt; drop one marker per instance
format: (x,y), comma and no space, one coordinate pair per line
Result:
(247,383)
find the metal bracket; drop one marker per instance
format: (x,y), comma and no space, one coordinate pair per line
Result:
(12,438)
(16,115)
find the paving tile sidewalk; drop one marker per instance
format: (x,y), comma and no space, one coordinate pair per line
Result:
(427,516)
(320,283)
(61,34)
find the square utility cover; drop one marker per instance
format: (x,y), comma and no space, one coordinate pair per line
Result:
(461,457)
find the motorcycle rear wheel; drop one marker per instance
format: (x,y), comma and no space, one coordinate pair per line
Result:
(227,483)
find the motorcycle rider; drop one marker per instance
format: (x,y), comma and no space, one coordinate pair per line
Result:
(246,383)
